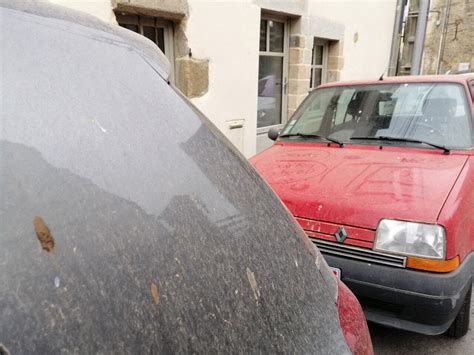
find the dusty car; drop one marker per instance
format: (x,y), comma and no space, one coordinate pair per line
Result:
(380,174)
(121,230)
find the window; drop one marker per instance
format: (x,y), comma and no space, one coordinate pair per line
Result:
(158,31)
(272,73)
(319,63)
(437,113)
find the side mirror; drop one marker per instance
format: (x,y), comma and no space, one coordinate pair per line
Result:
(273,133)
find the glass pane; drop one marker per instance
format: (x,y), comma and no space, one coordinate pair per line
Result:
(133,28)
(263,35)
(316,77)
(160,31)
(149,32)
(318,54)
(312,118)
(434,113)
(276,36)
(270,73)
(342,113)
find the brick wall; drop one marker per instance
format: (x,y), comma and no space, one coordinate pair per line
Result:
(298,70)
(458,40)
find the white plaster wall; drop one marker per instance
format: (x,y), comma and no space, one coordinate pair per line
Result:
(372,20)
(227,33)
(101,9)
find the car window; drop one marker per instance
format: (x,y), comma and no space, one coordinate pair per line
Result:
(313,116)
(432,112)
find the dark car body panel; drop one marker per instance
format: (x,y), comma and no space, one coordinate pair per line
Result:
(412,300)
(127,225)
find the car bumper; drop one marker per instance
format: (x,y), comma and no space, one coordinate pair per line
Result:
(417,301)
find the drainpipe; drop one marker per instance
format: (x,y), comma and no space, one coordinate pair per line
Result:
(396,37)
(419,37)
(447,7)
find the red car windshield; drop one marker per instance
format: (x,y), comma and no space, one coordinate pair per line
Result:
(435,113)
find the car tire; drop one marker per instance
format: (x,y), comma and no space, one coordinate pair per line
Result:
(460,325)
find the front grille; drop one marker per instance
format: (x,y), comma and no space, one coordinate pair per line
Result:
(352,252)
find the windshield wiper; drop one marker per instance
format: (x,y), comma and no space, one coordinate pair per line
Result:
(401,139)
(306,135)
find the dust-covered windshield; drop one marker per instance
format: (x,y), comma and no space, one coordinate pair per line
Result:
(436,113)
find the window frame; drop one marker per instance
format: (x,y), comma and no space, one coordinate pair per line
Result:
(470,84)
(156,22)
(323,66)
(285,55)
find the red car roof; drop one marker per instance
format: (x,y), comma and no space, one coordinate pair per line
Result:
(405,79)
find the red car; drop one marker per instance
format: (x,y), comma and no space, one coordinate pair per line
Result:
(121,230)
(380,174)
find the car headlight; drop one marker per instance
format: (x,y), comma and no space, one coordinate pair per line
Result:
(410,238)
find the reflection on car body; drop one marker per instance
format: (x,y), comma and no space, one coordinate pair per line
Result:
(120,230)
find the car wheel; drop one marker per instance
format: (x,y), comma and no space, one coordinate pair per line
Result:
(460,325)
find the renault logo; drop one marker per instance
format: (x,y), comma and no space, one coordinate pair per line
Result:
(340,234)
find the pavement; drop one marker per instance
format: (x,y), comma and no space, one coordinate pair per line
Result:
(391,341)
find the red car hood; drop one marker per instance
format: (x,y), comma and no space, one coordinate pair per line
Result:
(359,185)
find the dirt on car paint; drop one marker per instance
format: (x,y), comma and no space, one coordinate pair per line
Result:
(43,234)
(154,293)
(253,284)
